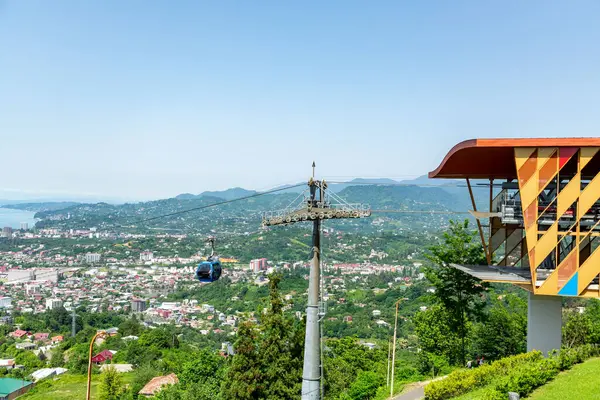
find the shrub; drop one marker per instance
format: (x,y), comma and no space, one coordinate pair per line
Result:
(521,373)
(464,381)
(526,378)
(575,355)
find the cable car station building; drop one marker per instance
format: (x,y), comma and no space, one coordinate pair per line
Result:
(543,220)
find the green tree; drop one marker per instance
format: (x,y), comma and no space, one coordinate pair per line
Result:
(461,294)
(58,358)
(436,337)
(504,331)
(280,350)
(592,310)
(29,360)
(138,355)
(111,385)
(77,358)
(365,386)
(275,362)
(244,375)
(344,360)
(203,375)
(131,326)
(578,329)
(159,338)
(195,391)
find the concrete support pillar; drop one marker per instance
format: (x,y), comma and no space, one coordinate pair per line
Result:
(544,323)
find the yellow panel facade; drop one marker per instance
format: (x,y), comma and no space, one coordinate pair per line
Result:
(546,244)
(588,271)
(568,195)
(550,285)
(586,154)
(570,278)
(522,154)
(529,191)
(590,194)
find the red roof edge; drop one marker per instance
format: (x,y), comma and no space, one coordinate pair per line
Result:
(462,145)
(497,150)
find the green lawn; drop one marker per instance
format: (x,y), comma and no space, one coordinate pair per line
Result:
(579,383)
(67,387)
(474,395)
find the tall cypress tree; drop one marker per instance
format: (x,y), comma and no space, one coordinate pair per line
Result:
(268,360)
(282,365)
(243,380)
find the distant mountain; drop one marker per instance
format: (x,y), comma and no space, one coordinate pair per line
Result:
(425,180)
(185,196)
(337,186)
(45,206)
(413,198)
(375,181)
(229,194)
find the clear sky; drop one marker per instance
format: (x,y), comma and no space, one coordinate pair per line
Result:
(148,99)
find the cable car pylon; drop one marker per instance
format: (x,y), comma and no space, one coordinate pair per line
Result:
(319,205)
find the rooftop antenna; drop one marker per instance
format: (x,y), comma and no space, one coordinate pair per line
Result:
(318,205)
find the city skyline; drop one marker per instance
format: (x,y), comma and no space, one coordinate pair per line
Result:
(138,101)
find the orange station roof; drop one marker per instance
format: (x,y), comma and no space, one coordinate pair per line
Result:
(494,158)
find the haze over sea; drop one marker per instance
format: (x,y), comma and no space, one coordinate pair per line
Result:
(14,218)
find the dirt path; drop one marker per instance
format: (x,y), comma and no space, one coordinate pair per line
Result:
(415,391)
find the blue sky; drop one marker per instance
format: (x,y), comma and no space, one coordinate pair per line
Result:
(148,99)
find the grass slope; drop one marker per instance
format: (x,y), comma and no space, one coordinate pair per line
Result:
(579,383)
(67,387)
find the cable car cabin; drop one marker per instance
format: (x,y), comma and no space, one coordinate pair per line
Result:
(209,271)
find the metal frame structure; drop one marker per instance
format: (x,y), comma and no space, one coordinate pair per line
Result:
(317,206)
(545,220)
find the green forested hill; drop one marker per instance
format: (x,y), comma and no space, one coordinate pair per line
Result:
(246,214)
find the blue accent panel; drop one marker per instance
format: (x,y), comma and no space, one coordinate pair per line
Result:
(570,289)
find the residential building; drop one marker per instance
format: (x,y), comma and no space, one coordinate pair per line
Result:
(92,258)
(146,256)
(104,355)
(111,331)
(40,336)
(47,372)
(24,226)
(156,385)
(52,304)
(5,302)
(8,363)
(57,339)
(138,305)
(25,346)
(32,289)
(259,264)
(12,388)
(18,334)
(7,231)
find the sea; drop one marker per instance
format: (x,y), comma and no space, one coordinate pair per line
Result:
(14,218)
